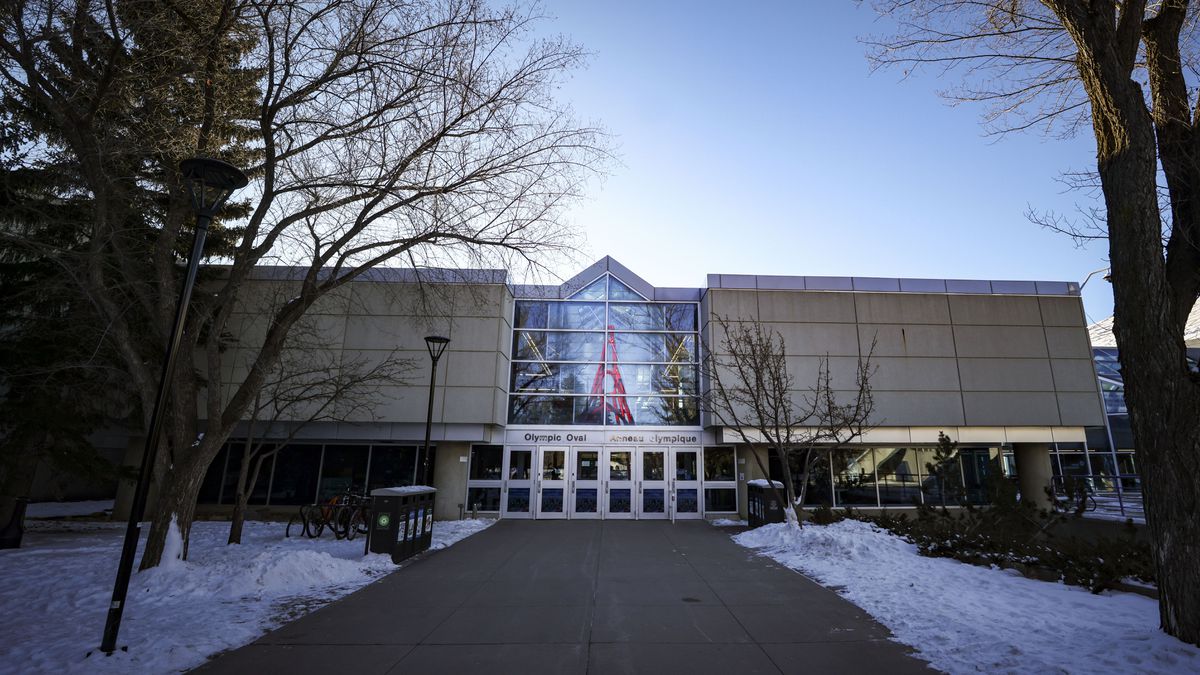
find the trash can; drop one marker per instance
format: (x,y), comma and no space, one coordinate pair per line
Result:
(761,506)
(401,521)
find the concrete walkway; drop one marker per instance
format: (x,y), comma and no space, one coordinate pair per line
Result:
(583,597)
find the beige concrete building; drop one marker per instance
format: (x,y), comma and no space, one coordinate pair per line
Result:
(581,400)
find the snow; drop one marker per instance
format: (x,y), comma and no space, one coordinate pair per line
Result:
(58,585)
(63,509)
(727,522)
(969,619)
(402,490)
(763,482)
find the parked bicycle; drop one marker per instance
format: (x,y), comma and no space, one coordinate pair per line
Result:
(346,515)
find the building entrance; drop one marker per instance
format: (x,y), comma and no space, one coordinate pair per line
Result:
(589,482)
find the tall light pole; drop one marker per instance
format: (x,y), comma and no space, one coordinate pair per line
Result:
(436,345)
(209,182)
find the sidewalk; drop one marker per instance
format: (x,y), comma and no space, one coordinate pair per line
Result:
(583,596)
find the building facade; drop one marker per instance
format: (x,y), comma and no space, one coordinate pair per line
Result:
(582,400)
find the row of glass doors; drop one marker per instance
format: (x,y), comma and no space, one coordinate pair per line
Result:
(601,482)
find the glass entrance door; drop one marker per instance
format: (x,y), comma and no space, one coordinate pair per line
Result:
(618,483)
(652,488)
(585,483)
(685,482)
(517,501)
(552,482)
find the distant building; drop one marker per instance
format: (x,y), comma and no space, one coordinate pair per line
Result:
(1112,386)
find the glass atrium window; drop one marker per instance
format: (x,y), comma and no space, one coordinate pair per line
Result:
(604,356)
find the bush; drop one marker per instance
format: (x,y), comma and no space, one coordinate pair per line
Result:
(1015,535)
(825,515)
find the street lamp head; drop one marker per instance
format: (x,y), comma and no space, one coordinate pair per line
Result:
(437,345)
(210,182)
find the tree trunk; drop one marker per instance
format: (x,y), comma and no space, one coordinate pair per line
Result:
(239,517)
(177,495)
(1163,397)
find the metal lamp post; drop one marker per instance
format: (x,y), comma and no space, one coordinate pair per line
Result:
(436,345)
(209,182)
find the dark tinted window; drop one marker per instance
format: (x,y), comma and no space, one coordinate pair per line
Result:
(345,469)
(392,466)
(296,476)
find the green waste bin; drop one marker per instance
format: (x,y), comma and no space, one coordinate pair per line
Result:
(401,521)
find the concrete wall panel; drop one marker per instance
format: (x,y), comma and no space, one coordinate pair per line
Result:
(1068,343)
(1010,408)
(995,310)
(902,308)
(912,340)
(818,339)
(1073,375)
(914,374)
(1080,408)
(1000,341)
(1062,311)
(733,304)
(1006,375)
(803,307)
(924,408)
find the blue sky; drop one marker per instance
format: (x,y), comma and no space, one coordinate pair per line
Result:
(753,138)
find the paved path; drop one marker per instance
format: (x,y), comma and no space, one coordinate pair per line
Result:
(583,597)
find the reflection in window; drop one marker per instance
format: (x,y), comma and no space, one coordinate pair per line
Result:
(296,476)
(668,380)
(486,462)
(597,290)
(553,465)
(392,466)
(519,464)
(820,487)
(618,465)
(518,500)
(587,465)
(552,500)
(654,501)
(685,465)
(531,345)
(554,378)
(721,500)
(652,465)
(687,500)
(655,347)
(659,410)
(899,482)
(718,464)
(345,470)
(563,364)
(854,477)
(484,498)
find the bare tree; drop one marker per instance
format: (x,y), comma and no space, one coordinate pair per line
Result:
(376,132)
(310,383)
(1129,69)
(750,392)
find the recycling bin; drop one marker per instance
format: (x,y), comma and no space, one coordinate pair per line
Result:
(761,505)
(401,521)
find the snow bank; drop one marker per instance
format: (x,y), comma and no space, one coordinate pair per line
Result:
(57,589)
(63,509)
(727,522)
(968,619)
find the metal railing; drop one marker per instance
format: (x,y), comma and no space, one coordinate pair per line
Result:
(1114,497)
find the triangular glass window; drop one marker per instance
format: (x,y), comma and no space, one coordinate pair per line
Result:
(619,291)
(597,290)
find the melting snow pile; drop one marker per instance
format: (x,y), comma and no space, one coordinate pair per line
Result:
(968,619)
(58,585)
